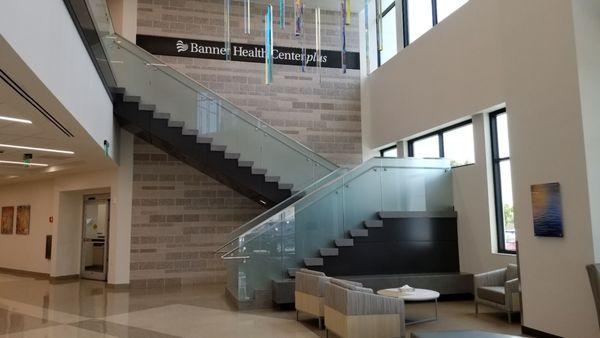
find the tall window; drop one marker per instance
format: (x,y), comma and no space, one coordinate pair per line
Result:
(419,16)
(388,32)
(389,152)
(503,195)
(455,143)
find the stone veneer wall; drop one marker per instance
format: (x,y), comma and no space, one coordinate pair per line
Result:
(180,215)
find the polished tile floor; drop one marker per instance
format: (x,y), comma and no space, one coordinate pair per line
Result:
(35,308)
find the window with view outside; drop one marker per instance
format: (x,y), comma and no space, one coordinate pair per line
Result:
(455,143)
(428,147)
(389,43)
(421,15)
(447,7)
(420,18)
(505,219)
(390,152)
(459,146)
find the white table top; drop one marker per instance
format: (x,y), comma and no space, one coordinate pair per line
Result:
(419,295)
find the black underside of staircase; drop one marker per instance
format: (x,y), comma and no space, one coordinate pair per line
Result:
(402,245)
(139,120)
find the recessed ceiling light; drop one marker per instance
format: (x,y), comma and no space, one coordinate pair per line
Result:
(14,119)
(37,149)
(24,164)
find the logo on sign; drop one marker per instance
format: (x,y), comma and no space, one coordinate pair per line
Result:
(182,47)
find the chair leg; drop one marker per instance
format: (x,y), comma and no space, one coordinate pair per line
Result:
(326,333)
(476,308)
(320,323)
(509,317)
(297,315)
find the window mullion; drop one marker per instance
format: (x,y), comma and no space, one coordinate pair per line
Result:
(434,16)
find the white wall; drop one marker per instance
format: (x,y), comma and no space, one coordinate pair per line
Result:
(27,252)
(521,53)
(586,14)
(44,36)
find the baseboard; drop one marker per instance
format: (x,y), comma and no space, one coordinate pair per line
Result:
(25,273)
(63,279)
(537,333)
(123,286)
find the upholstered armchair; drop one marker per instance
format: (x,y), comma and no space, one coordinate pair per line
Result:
(499,289)
(309,293)
(594,274)
(355,312)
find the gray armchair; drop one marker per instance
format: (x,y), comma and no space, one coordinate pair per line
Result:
(356,312)
(594,274)
(499,289)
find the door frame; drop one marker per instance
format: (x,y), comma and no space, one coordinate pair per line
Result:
(100,276)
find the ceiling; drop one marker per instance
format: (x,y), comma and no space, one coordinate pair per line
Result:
(41,133)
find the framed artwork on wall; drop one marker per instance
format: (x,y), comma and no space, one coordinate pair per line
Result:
(23,219)
(6,225)
(547,210)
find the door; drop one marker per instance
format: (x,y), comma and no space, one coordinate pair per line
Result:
(94,248)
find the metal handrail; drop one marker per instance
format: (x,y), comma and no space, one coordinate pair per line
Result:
(275,210)
(353,170)
(229,106)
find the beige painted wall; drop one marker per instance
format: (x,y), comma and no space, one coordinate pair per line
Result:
(27,252)
(521,53)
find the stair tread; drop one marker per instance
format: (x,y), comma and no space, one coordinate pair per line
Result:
(286,186)
(417,214)
(131,98)
(189,132)
(313,261)
(344,242)
(327,252)
(292,272)
(246,164)
(259,171)
(176,124)
(373,223)
(359,232)
(232,156)
(272,178)
(164,116)
(216,147)
(204,139)
(147,107)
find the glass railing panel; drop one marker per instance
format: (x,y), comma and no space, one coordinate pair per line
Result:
(341,204)
(293,167)
(362,197)
(254,228)
(319,220)
(174,93)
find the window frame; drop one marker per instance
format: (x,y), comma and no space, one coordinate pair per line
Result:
(405,19)
(497,179)
(384,12)
(440,134)
(382,151)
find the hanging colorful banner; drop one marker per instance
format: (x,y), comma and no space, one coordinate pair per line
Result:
(269,45)
(318,39)
(226,18)
(282,14)
(298,12)
(367,46)
(246,16)
(344,15)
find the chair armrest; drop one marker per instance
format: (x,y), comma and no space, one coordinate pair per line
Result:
(362,303)
(511,287)
(492,278)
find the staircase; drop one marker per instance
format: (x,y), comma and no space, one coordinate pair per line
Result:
(198,151)
(320,216)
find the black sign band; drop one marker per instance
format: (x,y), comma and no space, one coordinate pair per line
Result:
(205,49)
